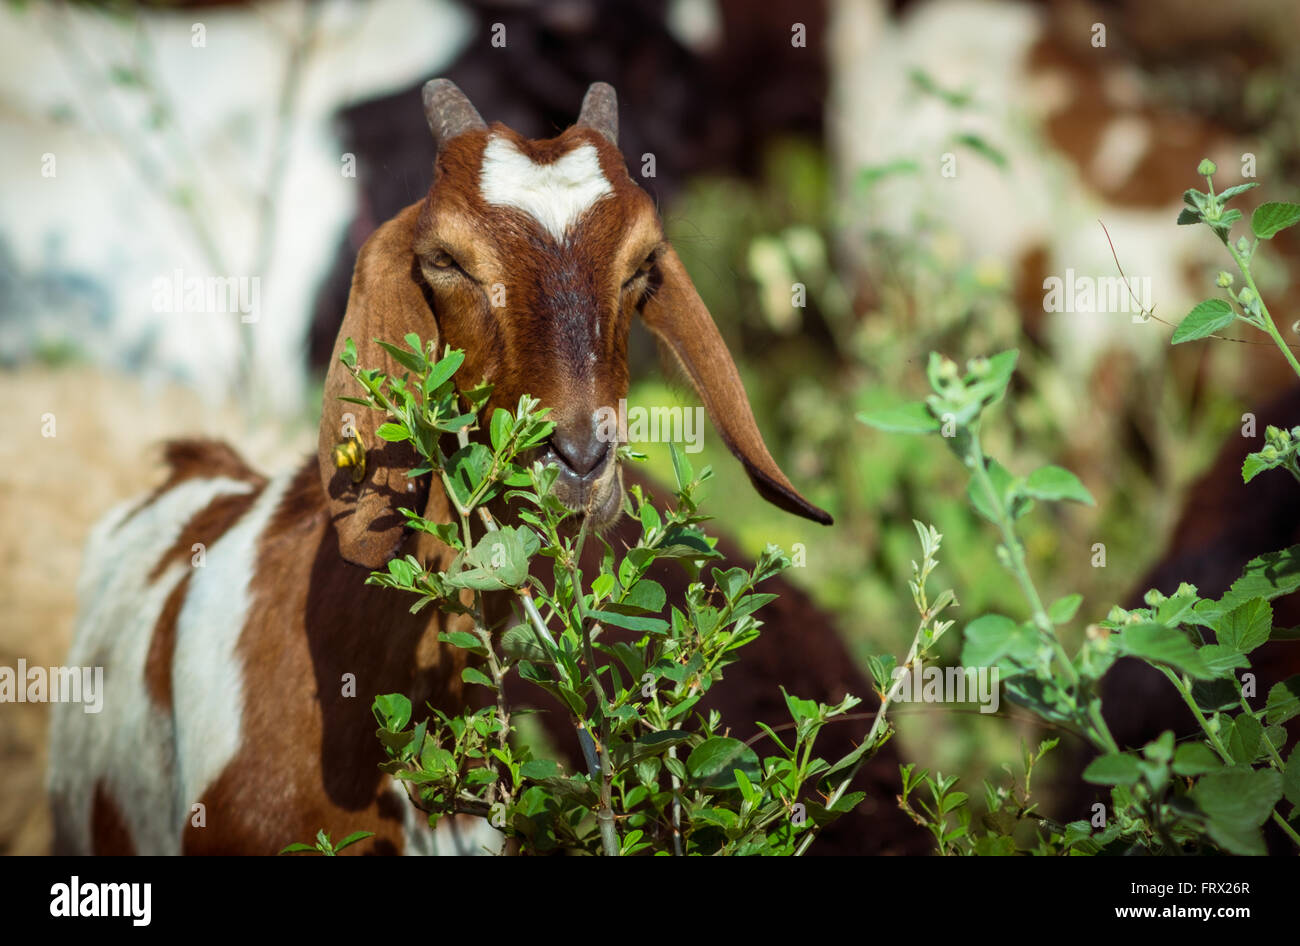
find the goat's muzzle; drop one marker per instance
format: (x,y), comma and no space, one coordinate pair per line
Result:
(590,481)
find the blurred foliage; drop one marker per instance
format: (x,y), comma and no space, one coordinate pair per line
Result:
(855,344)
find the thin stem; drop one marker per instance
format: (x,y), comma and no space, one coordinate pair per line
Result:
(1016,559)
(1267,325)
(1286,828)
(677,807)
(873,735)
(1185,691)
(605,812)
(535,621)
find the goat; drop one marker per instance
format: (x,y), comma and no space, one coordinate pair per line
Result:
(229,725)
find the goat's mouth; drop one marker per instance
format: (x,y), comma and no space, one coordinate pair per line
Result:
(596,494)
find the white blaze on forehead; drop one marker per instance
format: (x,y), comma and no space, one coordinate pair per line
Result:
(555,194)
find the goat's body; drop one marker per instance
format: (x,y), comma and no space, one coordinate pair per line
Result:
(225,682)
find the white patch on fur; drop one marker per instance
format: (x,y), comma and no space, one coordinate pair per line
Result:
(207,672)
(556,195)
(458,836)
(130,745)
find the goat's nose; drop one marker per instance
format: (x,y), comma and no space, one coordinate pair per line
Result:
(582,451)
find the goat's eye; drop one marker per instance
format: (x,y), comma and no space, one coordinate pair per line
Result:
(644,269)
(442,260)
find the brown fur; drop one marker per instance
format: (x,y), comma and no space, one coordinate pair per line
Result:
(197,458)
(108,829)
(162,647)
(309,756)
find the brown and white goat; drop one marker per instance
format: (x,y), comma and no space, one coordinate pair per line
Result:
(229,724)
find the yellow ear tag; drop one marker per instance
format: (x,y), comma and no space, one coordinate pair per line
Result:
(351,453)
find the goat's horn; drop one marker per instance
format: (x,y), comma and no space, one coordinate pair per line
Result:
(600,110)
(449,112)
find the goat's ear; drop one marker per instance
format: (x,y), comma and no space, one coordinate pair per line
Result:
(674,311)
(387,301)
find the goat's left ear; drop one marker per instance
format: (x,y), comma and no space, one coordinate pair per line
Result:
(364,476)
(674,311)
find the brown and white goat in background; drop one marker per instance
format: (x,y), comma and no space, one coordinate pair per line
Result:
(227,726)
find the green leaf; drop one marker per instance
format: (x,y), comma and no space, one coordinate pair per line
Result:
(993,639)
(1221,659)
(1273,216)
(1113,769)
(444,369)
(911,418)
(645,595)
(393,433)
(721,817)
(982,148)
(393,710)
(474,675)
(1256,463)
(647,746)
(411,361)
(539,769)
(1244,738)
(1283,701)
(602,586)
(467,468)
(882,670)
(1238,801)
(1206,319)
(1231,192)
(463,639)
(502,424)
(990,388)
(1195,758)
(297,846)
(349,354)
(868,176)
(499,560)
(650,521)
(1003,484)
(1188,216)
(682,470)
(1054,482)
(1064,609)
(631,622)
(1164,645)
(1268,576)
(800,710)
(1213,696)
(714,760)
(1291,778)
(1247,626)
(353,838)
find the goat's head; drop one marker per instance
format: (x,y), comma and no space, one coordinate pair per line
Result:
(533,257)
